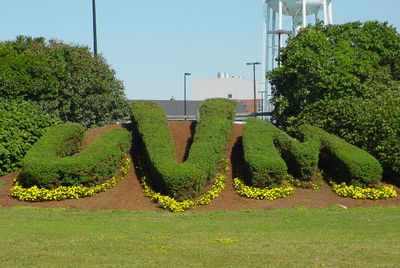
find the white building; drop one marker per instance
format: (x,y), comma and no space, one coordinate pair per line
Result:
(228,86)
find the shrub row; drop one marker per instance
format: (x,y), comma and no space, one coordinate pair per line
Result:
(36,194)
(269,154)
(346,162)
(186,180)
(263,162)
(53,161)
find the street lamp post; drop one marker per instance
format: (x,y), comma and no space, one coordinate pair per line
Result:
(254,84)
(262,106)
(94,27)
(184,93)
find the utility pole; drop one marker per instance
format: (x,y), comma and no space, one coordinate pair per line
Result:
(94,27)
(254,84)
(184,93)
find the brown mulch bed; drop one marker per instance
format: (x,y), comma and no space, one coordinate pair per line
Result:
(128,194)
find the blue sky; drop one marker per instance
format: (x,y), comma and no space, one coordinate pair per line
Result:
(150,44)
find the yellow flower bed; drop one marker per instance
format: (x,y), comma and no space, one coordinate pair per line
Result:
(314,184)
(36,194)
(173,205)
(356,192)
(261,193)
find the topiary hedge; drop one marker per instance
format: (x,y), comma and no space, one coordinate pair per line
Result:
(53,161)
(371,124)
(22,123)
(344,79)
(270,153)
(186,180)
(346,162)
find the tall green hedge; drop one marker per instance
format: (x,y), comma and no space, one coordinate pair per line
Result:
(186,180)
(53,160)
(343,160)
(270,153)
(22,123)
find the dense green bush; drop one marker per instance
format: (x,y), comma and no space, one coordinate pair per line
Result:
(270,153)
(263,162)
(344,79)
(66,80)
(53,161)
(332,62)
(371,124)
(22,123)
(186,180)
(213,131)
(344,161)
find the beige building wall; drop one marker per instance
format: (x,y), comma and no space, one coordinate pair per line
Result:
(230,87)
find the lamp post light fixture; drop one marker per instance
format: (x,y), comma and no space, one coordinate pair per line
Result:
(184,93)
(94,27)
(254,84)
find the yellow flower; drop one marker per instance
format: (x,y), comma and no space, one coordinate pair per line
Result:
(259,193)
(173,205)
(382,192)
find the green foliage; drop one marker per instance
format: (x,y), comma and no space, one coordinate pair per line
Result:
(263,162)
(22,123)
(66,80)
(270,153)
(186,180)
(335,61)
(346,162)
(53,160)
(344,79)
(212,133)
(371,124)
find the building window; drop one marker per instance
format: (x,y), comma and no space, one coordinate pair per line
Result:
(229,96)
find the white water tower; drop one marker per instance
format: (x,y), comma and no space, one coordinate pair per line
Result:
(283,18)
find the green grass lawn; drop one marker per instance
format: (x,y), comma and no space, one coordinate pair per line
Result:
(282,238)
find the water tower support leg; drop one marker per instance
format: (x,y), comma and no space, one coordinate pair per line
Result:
(280,23)
(330,13)
(274,46)
(304,13)
(325,5)
(267,53)
(280,15)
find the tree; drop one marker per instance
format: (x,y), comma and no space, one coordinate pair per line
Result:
(346,80)
(332,62)
(66,80)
